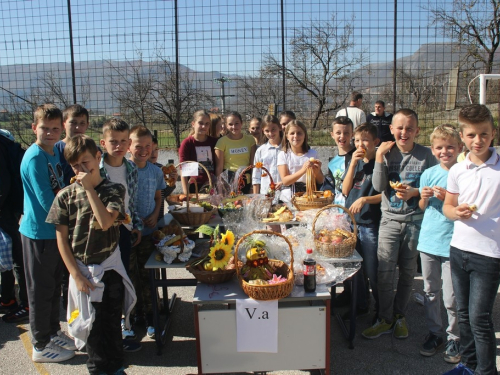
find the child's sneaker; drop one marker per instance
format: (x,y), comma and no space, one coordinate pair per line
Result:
(431,345)
(6,307)
(63,341)
(130,346)
(452,352)
(378,329)
(400,327)
(18,315)
(461,369)
(51,353)
(127,333)
(151,332)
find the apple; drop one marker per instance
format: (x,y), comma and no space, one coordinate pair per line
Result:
(336,239)
(324,239)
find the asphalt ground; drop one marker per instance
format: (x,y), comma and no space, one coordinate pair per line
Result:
(384,355)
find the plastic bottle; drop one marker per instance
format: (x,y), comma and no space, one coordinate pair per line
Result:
(309,272)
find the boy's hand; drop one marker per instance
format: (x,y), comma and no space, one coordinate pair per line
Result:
(385,147)
(83,284)
(406,192)
(357,205)
(358,155)
(427,192)
(150,221)
(439,192)
(84,178)
(463,211)
(139,236)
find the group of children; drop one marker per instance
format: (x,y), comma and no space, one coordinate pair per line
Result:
(407,200)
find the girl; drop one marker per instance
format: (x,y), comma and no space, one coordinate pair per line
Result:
(268,155)
(216,129)
(234,150)
(255,130)
(294,159)
(198,146)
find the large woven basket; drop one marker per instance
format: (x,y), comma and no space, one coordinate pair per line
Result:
(309,200)
(194,218)
(272,291)
(342,250)
(210,277)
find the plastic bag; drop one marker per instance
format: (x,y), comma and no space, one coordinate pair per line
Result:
(326,273)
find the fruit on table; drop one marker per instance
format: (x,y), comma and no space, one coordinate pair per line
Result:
(327,193)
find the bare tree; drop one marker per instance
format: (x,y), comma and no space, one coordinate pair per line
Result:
(473,23)
(21,117)
(260,91)
(319,62)
(54,90)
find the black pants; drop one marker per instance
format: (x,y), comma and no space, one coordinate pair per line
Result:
(43,268)
(125,244)
(104,344)
(9,224)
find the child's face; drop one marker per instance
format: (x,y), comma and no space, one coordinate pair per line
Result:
(365,140)
(477,138)
(272,132)
(47,132)
(218,128)
(154,154)
(233,125)
(342,135)
(284,120)
(76,125)
(295,136)
(254,129)
(446,151)
(88,164)
(201,125)
(140,148)
(116,143)
(405,130)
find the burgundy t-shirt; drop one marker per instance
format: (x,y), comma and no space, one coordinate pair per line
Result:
(202,152)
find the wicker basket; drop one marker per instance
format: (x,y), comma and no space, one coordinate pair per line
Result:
(194,218)
(342,250)
(308,200)
(272,291)
(210,277)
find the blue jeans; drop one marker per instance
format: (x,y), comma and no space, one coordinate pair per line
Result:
(367,247)
(475,282)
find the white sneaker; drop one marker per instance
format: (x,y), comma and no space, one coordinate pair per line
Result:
(51,353)
(127,333)
(63,341)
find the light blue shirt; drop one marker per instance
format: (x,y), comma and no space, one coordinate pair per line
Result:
(337,167)
(437,230)
(42,178)
(150,179)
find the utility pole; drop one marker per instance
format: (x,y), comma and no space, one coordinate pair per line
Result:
(222,80)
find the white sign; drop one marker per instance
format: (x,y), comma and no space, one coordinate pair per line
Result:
(256,326)
(189,169)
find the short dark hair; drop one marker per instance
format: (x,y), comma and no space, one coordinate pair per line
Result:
(343,120)
(290,114)
(155,140)
(380,102)
(355,96)
(368,128)
(75,110)
(474,114)
(78,145)
(47,111)
(407,112)
(115,124)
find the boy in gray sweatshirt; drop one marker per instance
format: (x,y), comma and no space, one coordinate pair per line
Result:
(397,175)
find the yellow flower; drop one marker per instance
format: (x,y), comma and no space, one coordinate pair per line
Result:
(219,255)
(228,238)
(258,164)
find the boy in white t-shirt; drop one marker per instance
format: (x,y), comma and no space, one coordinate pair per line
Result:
(472,203)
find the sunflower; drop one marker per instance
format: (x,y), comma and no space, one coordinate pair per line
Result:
(219,255)
(228,238)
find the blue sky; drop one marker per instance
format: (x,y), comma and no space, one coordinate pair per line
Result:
(226,36)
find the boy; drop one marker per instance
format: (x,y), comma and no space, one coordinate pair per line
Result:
(382,120)
(364,203)
(85,214)
(75,121)
(400,222)
(42,178)
(150,184)
(434,246)
(472,203)
(342,129)
(116,168)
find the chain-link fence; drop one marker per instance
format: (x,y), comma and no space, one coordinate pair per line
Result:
(157,62)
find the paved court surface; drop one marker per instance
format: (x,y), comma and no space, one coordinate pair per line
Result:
(385,355)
